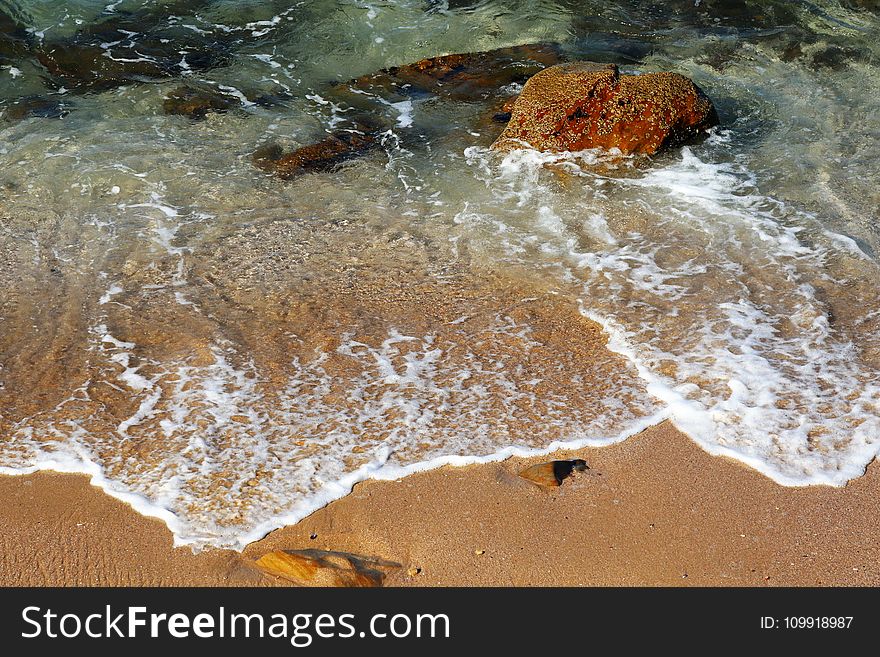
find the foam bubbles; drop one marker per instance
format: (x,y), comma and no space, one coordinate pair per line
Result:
(231,451)
(718,295)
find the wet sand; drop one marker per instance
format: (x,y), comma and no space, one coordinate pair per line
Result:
(653,510)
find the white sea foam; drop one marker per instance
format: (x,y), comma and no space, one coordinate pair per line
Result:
(411,403)
(112,291)
(715,302)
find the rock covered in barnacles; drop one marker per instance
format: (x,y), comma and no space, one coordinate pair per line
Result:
(581,105)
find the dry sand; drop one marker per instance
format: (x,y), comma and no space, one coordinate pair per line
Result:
(653,510)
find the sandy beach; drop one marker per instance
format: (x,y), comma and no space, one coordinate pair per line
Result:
(653,510)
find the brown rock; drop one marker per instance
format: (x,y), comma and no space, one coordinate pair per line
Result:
(196,103)
(87,66)
(15,41)
(468,76)
(324,568)
(461,76)
(36,106)
(321,156)
(132,47)
(553,473)
(580,105)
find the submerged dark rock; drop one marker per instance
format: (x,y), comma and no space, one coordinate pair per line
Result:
(83,66)
(36,107)
(480,76)
(862,5)
(463,76)
(833,57)
(806,50)
(323,155)
(721,55)
(80,65)
(144,45)
(196,103)
(581,105)
(276,99)
(15,41)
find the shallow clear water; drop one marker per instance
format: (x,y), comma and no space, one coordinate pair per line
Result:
(229,351)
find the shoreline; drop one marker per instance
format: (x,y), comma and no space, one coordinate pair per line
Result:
(654,509)
(372,471)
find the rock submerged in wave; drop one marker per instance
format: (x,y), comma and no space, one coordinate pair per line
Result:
(460,76)
(325,568)
(581,105)
(566,107)
(15,40)
(36,107)
(131,47)
(196,103)
(320,156)
(479,76)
